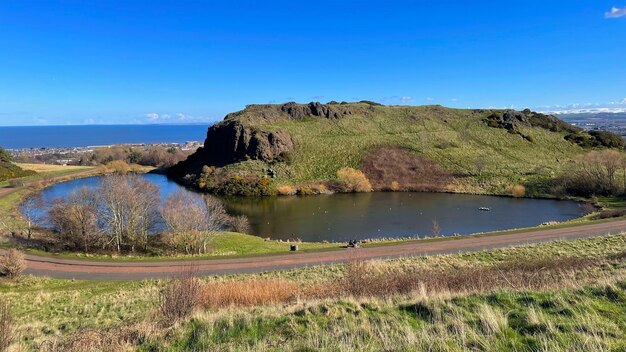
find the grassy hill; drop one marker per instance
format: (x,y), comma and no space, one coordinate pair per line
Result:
(482,151)
(8,170)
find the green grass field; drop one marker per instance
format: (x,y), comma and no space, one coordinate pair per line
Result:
(584,311)
(46,171)
(222,245)
(455,139)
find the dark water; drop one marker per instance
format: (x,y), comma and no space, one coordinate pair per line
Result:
(342,217)
(24,137)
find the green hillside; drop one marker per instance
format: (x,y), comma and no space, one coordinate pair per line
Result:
(480,151)
(8,170)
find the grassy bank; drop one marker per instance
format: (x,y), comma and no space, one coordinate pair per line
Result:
(46,171)
(222,245)
(11,197)
(576,302)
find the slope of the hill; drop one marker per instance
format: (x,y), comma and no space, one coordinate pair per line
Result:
(411,147)
(8,170)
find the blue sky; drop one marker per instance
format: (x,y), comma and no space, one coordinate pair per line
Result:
(77,62)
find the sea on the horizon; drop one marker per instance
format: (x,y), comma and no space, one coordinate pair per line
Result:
(25,137)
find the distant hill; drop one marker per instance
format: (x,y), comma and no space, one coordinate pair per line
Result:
(415,147)
(8,170)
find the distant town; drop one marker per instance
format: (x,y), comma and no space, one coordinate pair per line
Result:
(612,122)
(97,154)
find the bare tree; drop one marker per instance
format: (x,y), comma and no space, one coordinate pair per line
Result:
(435,228)
(129,210)
(75,219)
(480,165)
(597,172)
(217,218)
(113,195)
(143,211)
(31,209)
(192,221)
(185,216)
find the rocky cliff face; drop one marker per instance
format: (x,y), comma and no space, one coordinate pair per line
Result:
(231,141)
(302,111)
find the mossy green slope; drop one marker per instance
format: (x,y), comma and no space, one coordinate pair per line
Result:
(483,158)
(8,170)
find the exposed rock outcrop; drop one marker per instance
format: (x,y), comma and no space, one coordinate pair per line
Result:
(231,141)
(297,111)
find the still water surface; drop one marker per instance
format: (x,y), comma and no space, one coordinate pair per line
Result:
(341,217)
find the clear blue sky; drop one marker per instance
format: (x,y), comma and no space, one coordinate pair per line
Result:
(149,61)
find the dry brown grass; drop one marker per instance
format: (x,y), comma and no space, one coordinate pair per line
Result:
(254,292)
(409,171)
(286,190)
(364,279)
(13,264)
(370,279)
(48,167)
(118,167)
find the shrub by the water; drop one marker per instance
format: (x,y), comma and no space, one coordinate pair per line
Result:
(353,180)
(118,167)
(518,191)
(220,181)
(246,186)
(286,190)
(239,223)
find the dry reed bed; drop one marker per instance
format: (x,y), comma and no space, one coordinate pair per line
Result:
(375,280)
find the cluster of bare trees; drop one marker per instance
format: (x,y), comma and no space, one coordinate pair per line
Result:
(120,214)
(159,156)
(597,173)
(192,221)
(125,212)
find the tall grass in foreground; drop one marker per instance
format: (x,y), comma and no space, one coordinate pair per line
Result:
(7,326)
(363,279)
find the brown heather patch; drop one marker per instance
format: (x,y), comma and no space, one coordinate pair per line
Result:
(410,172)
(372,279)
(253,292)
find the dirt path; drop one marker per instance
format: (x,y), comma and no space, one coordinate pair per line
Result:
(91,270)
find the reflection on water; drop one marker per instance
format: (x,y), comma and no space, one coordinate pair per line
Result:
(342,217)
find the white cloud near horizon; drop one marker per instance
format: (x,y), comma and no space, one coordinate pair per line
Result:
(616,12)
(590,108)
(178,117)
